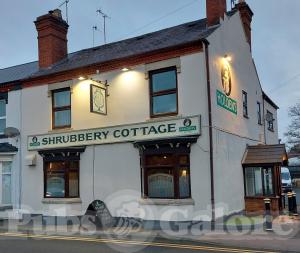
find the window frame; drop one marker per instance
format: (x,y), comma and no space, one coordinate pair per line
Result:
(61,108)
(259,116)
(245,104)
(262,169)
(271,123)
(162,92)
(67,171)
(4,117)
(11,185)
(176,166)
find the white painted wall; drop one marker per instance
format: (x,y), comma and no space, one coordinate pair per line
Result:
(233,132)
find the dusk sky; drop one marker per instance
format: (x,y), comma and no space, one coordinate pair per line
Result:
(276,36)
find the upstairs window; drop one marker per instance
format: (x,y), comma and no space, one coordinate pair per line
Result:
(245,104)
(163,92)
(259,113)
(270,121)
(61,108)
(2,115)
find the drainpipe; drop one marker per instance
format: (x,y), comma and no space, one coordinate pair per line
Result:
(211,151)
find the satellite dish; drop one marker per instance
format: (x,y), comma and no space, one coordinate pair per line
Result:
(11,132)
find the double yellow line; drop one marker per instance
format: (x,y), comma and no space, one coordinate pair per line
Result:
(134,243)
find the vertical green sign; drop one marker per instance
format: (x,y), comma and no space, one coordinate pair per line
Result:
(226,102)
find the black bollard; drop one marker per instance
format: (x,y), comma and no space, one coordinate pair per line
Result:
(283,200)
(268,216)
(295,211)
(290,203)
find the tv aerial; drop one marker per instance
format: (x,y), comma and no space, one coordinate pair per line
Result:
(104,16)
(66,2)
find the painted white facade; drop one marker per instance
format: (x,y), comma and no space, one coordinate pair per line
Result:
(232,133)
(110,168)
(13,118)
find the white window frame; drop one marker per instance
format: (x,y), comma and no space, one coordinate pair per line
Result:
(6,158)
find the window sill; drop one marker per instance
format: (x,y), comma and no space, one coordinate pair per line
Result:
(60,130)
(61,201)
(167,202)
(6,207)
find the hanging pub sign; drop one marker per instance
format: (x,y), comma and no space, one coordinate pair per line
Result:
(98,99)
(177,127)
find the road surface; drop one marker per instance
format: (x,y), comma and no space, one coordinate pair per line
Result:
(22,243)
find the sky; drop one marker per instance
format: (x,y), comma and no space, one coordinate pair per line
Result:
(275,31)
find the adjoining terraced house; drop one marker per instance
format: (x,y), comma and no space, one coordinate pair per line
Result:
(178,116)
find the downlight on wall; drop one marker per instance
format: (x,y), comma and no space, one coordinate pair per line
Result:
(82,78)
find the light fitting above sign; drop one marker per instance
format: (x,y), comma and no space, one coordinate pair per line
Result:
(187,126)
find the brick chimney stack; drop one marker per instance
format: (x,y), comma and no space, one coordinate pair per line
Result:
(246,17)
(52,38)
(215,10)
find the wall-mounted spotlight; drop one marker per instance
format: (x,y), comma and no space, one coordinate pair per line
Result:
(81,78)
(227,58)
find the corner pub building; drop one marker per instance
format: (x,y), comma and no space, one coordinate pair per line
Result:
(177,116)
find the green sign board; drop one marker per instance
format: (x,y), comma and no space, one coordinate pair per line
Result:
(150,130)
(226,102)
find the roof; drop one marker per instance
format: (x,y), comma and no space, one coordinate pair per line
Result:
(18,72)
(265,154)
(294,161)
(270,101)
(163,39)
(7,148)
(167,38)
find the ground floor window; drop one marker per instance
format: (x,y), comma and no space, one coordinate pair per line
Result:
(165,168)
(259,181)
(61,172)
(167,176)
(62,179)
(6,183)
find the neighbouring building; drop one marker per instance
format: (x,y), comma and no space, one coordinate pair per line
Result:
(177,115)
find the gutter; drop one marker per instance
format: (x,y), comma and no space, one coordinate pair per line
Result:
(211,151)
